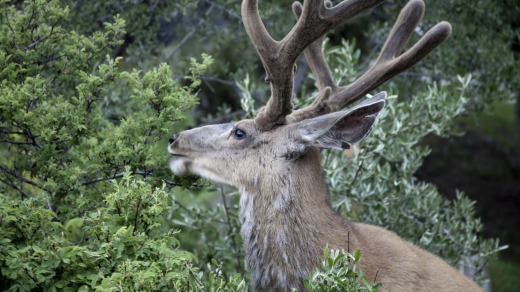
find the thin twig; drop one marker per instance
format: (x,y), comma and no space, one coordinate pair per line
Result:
(195,213)
(12,133)
(11,29)
(32,45)
(20,177)
(16,143)
(118,175)
(356,175)
(192,31)
(181,205)
(351,183)
(16,188)
(222,8)
(196,280)
(180,44)
(348,245)
(27,132)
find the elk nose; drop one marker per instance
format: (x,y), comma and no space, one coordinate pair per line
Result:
(173,138)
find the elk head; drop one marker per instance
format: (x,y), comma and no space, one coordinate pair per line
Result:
(235,154)
(278,136)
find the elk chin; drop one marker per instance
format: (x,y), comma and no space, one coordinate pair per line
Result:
(180,165)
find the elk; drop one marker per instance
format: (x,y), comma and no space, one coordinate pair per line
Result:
(274,159)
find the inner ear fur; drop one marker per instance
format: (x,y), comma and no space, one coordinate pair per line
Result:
(341,130)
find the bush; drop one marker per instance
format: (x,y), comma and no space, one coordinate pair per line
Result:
(338,272)
(83,196)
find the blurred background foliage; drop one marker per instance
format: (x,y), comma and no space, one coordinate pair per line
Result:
(91,90)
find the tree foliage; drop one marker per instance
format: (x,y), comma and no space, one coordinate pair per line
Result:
(482,44)
(66,221)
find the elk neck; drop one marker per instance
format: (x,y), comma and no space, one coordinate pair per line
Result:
(287,221)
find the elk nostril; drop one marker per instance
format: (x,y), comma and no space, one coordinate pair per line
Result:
(173,138)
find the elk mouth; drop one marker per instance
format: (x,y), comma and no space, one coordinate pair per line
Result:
(174,153)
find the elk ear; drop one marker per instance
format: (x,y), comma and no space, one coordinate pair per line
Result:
(340,130)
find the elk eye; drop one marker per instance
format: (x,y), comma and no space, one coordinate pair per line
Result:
(239,134)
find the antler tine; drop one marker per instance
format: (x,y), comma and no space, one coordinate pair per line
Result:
(278,57)
(388,64)
(314,55)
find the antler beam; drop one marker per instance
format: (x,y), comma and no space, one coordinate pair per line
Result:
(389,63)
(278,57)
